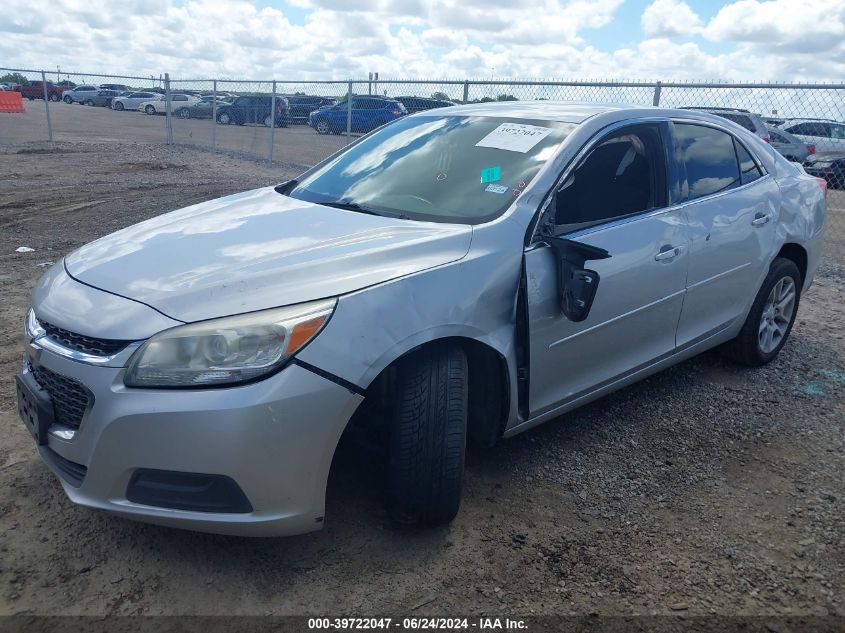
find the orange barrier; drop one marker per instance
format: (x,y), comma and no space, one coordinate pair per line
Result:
(11,101)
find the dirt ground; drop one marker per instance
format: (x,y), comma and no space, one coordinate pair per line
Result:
(704,489)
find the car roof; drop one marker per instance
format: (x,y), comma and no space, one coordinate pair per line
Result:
(564,111)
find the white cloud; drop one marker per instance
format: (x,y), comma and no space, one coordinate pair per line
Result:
(669,18)
(778,39)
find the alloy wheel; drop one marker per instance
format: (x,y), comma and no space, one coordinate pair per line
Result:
(778,312)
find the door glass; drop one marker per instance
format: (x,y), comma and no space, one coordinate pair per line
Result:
(625,174)
(749,171)
(709,157)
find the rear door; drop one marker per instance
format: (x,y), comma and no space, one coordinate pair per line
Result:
(732,211)
(617,198)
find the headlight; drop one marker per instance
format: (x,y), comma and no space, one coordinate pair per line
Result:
(229,350)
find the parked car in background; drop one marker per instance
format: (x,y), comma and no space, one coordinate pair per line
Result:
(8,86)
(117,87)
(80,94)
(368,113)
(420,104)
(255,109)
(200,110)
(199,369)
(826,135)
(35,90)
(303,105)
(752,122)
(790,147)
(220,96)
(161,105)
(827,165)
(133,100)
(103,98)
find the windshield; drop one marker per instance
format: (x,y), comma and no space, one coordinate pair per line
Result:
(459,169)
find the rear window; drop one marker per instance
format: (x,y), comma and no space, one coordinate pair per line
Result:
(462,169)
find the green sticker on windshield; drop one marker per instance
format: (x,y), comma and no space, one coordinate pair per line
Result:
(491,174)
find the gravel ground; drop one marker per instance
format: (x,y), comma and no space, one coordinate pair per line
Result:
(705,489)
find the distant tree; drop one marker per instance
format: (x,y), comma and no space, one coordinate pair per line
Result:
(506,98)
(485,100)
(14,78)
(441,96)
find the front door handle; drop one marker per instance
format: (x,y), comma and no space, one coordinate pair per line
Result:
(668,252)
(760,219)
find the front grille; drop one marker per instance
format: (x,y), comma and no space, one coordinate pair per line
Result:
(86,344)
(69,397)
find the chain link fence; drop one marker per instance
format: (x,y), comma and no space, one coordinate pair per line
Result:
(299,123)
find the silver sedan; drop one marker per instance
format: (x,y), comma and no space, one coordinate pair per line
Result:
(462,274)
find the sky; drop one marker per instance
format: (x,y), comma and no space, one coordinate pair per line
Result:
(742,40)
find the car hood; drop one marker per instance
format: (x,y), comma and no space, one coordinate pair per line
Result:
(257,250)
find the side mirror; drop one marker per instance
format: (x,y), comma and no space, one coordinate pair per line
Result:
(577,285)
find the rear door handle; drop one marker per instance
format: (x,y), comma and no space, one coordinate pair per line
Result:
(760,219)
(668,252)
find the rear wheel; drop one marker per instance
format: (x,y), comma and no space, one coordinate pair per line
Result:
(322,126)
(90,102)
(184,113)
(150,109)
(223,118)
(67,99)
(54,97)
(117,106)
(428,436)
(771,317)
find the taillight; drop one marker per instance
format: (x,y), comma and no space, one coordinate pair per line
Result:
(766,138)
(396,112)
(811,149)
(823,184)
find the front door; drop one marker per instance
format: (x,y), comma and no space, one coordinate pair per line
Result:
(615,199)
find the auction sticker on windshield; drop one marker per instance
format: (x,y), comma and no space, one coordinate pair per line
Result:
(514,137)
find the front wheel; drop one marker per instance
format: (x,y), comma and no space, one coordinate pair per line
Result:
(150,109)
(68,99)
(90,102)
(771,317)
(428,436)
(223,118)
(184,113)
(54,98)
(322,126)
(117,106)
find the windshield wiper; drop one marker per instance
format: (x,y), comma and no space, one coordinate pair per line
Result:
(351,205)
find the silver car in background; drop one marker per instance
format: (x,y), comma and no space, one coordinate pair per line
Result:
(790,147)
(133,100)
(460,275)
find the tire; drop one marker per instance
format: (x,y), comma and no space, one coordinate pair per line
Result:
(322,126)
(184,113)
(752,347)
(224,118)
(90,102)
(150,109)
(428,436)
(54,98)
(67,99)
(268,120)
(117,106)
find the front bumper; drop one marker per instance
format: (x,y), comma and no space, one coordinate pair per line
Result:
(275,439)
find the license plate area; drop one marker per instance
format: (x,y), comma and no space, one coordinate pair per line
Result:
(34,407)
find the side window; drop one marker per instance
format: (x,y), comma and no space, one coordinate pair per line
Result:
(241,101)
(623,174)
(778,138)
(748,169)
(837,131)
(709,157)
